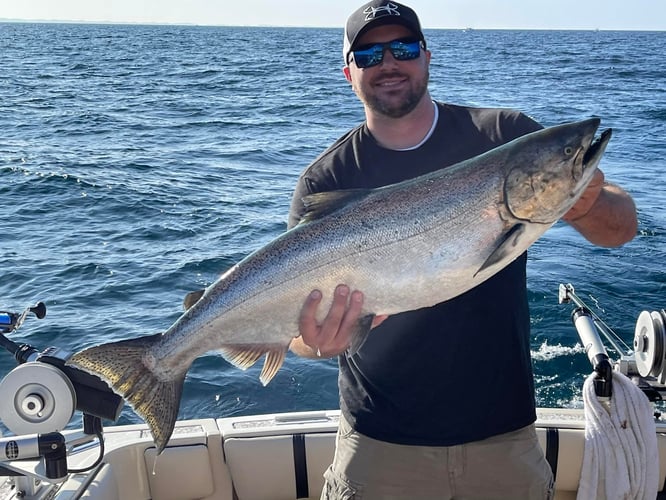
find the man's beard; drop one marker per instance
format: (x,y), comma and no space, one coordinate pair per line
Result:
(404,107)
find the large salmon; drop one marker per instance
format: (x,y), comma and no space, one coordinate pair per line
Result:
(406,246)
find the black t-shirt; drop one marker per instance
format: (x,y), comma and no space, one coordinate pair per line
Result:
(456,372)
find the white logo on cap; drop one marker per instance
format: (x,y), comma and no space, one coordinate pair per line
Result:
(390,9)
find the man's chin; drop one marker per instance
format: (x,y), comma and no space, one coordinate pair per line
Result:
(394,108)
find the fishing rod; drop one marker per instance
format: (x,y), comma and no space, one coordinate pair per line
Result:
(567,294)
(645,363)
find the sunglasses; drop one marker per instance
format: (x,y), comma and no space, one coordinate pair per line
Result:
(371,55)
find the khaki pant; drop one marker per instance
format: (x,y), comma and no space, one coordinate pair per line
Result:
(509,466)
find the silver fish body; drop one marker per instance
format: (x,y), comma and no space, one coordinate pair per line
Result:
(406,246)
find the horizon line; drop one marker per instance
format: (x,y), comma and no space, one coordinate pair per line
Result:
(192,24)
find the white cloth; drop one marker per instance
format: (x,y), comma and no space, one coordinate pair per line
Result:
(621,459)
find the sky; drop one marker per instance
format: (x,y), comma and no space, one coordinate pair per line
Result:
(477,14)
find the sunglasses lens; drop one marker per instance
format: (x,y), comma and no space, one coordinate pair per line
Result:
(402,50)
(370,56)
(405,51)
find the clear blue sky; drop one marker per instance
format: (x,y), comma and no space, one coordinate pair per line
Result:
(526,14)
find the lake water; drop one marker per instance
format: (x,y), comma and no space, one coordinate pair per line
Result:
(139,162)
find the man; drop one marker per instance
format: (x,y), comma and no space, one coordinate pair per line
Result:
(412,399)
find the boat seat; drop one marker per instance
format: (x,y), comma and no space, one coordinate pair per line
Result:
(279,467)
(290,466)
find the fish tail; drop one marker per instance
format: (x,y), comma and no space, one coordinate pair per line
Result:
(121,365)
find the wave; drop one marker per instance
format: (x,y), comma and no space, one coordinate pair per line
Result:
(547,352)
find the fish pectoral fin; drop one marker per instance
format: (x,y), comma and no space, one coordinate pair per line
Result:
(244,356)
(192,298)
(360,333)
(505,246)
(318,205)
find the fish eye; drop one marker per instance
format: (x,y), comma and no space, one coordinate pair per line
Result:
(568,150)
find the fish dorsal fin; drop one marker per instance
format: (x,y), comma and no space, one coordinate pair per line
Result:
(504,247)
(192,298)
(319,205)
(245,355)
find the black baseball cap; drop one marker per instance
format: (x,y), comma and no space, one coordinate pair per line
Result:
(377,13)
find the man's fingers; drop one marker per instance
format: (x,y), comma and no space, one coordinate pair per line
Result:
(587,199)
(307,322)
(351,315)
(331,324)
(333,335)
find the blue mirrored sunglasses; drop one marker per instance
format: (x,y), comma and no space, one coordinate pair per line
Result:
(371,55)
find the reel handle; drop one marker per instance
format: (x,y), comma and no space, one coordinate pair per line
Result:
(10,321)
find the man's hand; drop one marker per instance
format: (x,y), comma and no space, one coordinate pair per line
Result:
(605,214)
(333,336)
(587,199)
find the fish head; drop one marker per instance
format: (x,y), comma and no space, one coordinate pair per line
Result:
(555,167)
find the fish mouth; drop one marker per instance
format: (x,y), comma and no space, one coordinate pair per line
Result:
(597,148)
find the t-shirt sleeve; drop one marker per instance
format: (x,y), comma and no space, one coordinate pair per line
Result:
(325,173)
(520,124)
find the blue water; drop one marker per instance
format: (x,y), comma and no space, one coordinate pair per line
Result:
(140,162)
